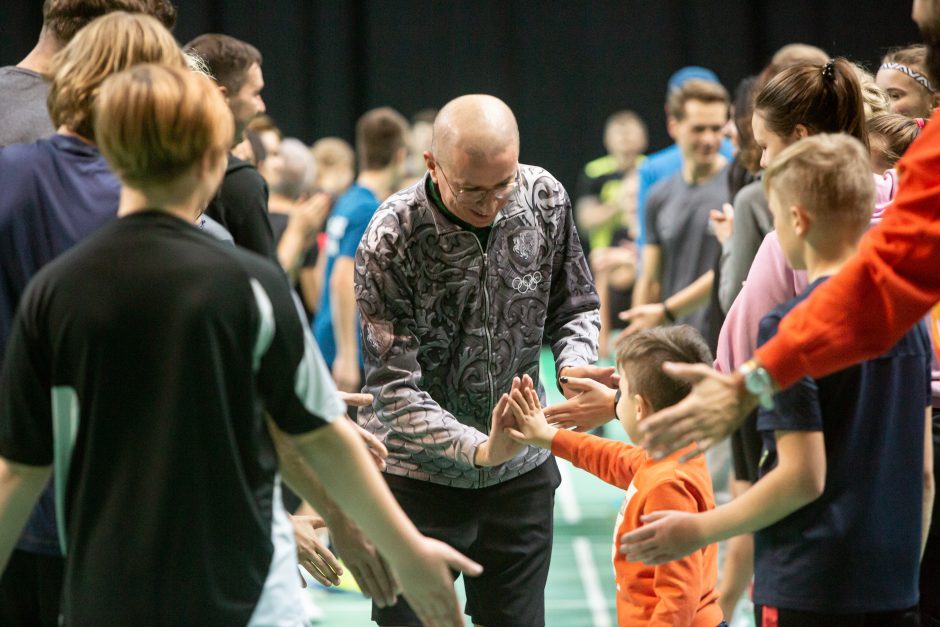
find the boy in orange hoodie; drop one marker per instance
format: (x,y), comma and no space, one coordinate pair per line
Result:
(680,593)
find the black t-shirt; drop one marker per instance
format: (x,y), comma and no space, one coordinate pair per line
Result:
(856,548)
(140,363)
(241,206)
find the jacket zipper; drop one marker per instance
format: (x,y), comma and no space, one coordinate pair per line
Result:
(481,474)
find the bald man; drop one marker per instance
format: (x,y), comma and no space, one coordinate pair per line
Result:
(458,279)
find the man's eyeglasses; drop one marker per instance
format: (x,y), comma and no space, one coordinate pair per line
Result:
(474,197)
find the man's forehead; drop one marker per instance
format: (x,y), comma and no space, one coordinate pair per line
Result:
(484,170)
(700,112)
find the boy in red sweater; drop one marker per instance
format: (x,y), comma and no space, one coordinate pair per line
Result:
(680,593)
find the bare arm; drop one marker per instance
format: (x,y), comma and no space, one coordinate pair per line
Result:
(592,213)
(343,302)
(798,479)
(682,303)
(422,565)
(306,218)
(647,285)
(20,487)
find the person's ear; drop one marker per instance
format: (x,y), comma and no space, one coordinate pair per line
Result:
(800,131)
(643,408)
(431,164)
(672,126)
(224,90)
(802,220)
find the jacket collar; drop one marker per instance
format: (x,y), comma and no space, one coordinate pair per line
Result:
(445,225)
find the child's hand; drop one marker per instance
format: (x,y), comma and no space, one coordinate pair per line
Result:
(531,425)
(500,448)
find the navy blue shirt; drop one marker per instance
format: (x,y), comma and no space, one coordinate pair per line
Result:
(55,192)
(856,549)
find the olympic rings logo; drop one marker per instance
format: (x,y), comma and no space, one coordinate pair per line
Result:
(527,283)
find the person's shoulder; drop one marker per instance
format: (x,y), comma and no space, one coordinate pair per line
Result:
(600,167)
(241,172)
(663,161)
(752,193)
(668,480)
(357,202)
(23,161)
(535,181)
(665,187)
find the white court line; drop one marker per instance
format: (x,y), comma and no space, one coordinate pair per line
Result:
(592,585)
(567,498)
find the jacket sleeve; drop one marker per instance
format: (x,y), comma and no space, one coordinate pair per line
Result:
(611,461)
(390,351)
(882,292)
(573,322)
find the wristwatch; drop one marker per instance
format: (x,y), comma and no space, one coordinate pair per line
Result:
(757,382)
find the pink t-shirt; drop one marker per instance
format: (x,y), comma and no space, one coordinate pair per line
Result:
(771,282)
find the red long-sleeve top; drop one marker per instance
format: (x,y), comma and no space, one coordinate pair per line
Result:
(891,283)
(677,594)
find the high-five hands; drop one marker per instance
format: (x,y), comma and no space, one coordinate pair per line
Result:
(499,447)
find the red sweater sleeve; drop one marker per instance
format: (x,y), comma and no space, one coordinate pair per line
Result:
(609,460)
(882,292)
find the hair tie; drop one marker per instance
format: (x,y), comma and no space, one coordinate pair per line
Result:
(829,71)
(921,122)
(903,69)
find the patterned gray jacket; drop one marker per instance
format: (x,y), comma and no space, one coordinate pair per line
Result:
(447,325)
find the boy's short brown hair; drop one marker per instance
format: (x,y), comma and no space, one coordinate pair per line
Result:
(695,89)
(64,18)
(108,45)
(640,358)
(828,175)
(380,133)
(155,122)
(229,59)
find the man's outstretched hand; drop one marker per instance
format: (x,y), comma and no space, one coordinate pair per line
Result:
(716,406)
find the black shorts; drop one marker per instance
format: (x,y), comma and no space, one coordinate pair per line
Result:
(746,447)
(779,617)
(507,528)
(30,589)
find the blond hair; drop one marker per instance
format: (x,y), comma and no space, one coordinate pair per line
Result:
(893,133)
(874,98)
(828,175)
(155,122)
(110,44)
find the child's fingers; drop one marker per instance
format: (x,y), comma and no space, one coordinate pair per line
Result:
(515,407)
(534,402)
(518,436)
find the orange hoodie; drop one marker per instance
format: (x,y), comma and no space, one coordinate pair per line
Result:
(882,292)
(679,593)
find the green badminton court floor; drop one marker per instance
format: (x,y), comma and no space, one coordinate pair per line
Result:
(580,590)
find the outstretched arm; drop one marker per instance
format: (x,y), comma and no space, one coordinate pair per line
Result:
(798,479)
(422,565)
(20,487)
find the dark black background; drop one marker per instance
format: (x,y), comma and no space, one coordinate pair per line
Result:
(562,65)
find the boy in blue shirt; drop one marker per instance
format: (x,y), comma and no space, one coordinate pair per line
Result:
(380,145)
(839,509)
